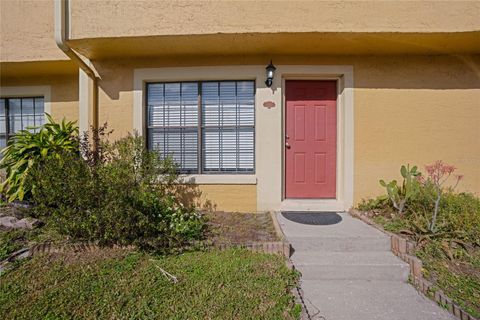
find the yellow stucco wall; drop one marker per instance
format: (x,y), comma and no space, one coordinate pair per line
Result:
(63,91)
(229,197)
(155,27)
(408,109)
(416,110)
(91,18)
(27,31)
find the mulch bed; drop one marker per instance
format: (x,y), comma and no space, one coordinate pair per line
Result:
(228,227)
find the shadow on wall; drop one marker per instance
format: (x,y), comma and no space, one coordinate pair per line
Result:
(64,88)
(436,72)
(189,194)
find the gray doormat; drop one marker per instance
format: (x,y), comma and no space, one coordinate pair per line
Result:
(313,218)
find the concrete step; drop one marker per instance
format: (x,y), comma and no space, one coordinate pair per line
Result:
(354,272)
(369,300)
(348,227)
(345,258)
(340,244)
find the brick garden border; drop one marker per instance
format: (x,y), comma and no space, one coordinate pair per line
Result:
(404,249)
(273,247)
(281,247)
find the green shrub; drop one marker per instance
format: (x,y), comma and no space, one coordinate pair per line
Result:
(372,204)
(27,148)
(126,196)
(459,216)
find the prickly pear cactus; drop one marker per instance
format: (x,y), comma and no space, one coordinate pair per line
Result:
(399,195)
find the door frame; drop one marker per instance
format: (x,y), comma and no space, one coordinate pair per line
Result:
(344,147)
(284,129)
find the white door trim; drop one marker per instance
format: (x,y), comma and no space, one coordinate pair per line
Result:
(345,137)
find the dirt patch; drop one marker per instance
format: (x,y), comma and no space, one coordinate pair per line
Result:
(101,253)
(17,210)
(228,227)
(463,268)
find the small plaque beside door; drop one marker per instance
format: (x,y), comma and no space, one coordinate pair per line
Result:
(269,104)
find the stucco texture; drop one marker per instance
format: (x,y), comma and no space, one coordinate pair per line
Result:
(27,31)
(92,19)
(101,29)
(407,109)
(229,197)
(63,93)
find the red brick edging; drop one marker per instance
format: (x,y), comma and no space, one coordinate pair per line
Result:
(272,247)
(404,249)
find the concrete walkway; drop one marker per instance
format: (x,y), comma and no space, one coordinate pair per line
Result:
(349,273)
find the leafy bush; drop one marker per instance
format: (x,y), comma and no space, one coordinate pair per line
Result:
(27,148)
(120,193)
(372,204)
(434,213)
(446,227)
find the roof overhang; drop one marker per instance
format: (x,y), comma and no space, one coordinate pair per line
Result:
(280,43)
(29,69)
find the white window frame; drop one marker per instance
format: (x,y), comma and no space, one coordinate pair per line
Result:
(29,92)
(144,76)
(21,92)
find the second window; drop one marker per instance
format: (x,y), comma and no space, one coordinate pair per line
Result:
(207,127)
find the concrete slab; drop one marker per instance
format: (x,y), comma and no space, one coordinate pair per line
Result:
(355,272)
(370,300)
(349,273)
(340,258)
(341,244)
(347,227)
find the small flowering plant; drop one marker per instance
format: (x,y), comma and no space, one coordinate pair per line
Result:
(438,174)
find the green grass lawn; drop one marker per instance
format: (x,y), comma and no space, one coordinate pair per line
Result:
(121,284)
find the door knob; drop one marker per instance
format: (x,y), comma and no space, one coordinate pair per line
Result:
(287,145)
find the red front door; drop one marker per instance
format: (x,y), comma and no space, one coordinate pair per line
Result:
(311,139)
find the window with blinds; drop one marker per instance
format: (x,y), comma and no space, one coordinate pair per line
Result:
(18,114)
(207,127)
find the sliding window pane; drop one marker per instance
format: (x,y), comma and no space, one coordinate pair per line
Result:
(39,111)
(228,126)
(210,104)
(180,144)
(15,115)
(28,113)
(246,103)
(228,104)
(173,122)
(155,99)
(3,127)
(246,149)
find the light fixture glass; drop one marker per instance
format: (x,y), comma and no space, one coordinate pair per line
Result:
(270,74)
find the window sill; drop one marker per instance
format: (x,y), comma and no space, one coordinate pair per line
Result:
(219,178)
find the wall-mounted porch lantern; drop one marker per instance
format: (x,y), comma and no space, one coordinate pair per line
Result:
(270,73)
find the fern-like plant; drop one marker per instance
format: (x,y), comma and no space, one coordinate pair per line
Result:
(28,148)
